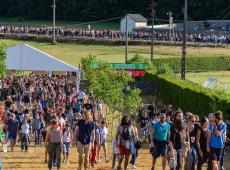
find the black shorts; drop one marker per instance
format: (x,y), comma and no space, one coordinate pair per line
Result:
(215,153)
(160,148)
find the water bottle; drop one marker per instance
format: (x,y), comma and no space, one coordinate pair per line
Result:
(4,147)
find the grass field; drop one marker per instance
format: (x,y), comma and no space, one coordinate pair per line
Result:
(77,24)
(72,53)
(223,76)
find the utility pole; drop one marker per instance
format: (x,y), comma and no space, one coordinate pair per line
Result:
(126,39)
(170,25)
(183,63)
(152,36)
(54,19)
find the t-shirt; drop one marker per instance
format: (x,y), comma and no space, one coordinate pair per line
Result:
(12,126)
(84,131)
(177,139)
(78,106)
(103,132)
(217,141)
(161,131)
(126,143)
(144,122)
(25,128)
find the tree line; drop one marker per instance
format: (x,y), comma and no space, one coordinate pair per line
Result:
(89,10)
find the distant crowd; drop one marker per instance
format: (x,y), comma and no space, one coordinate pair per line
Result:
(195,37)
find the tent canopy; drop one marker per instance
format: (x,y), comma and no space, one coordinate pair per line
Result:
(26,58)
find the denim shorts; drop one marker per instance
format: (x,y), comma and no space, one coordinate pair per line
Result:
(66,147)
(12,137)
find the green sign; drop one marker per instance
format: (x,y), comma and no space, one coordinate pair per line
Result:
(122,66)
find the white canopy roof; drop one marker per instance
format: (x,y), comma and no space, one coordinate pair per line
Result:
(27,58)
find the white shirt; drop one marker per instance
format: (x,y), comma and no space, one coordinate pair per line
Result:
(104,132)
(25,128)
(62,122)
(67,137)
(81,95)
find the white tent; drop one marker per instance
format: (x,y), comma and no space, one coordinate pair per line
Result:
(26,58)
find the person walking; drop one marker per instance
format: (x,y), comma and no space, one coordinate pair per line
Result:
(67,137)
(160,134)
(53,142)
(36,125)
(85,135)
(12,128)
(216,139)
(25,129)
(134,146)
(201,142)
(103,134)
(124,137)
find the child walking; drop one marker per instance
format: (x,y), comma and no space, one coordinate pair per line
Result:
(67,136)
(103,134)
(25,135)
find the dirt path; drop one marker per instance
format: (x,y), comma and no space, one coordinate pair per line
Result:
(33,160)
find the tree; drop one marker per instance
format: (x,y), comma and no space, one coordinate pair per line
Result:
(2,59)
(109,85)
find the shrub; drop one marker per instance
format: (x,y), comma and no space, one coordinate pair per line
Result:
(197,63)
(189,96)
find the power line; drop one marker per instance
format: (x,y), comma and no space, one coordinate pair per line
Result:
(93,22)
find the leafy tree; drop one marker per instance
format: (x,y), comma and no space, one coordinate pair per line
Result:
(109,85)
(2,59)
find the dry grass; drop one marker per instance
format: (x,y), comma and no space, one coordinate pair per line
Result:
(33,160)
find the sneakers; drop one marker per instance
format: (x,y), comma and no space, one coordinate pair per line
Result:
(133,167)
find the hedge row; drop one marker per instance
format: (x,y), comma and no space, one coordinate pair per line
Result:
(189,96)
(197,63)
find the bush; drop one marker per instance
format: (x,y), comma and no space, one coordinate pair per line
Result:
(138,59)
(197,63)
(189,96)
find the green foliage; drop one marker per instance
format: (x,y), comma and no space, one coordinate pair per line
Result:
(2,59)
(197,63)
(189,96)
(138,59)
(164,68)
(108,85)
(102,9)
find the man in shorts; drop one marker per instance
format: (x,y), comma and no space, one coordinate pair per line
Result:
(159,140)
(216,139)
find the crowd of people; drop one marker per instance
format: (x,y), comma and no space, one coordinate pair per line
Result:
(184,140)
(138,34)
(50,110)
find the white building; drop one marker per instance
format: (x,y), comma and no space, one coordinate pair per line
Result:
(134,21)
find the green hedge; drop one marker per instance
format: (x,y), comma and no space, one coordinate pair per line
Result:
(188,96)
(197,63)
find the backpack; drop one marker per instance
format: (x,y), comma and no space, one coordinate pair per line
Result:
(125,133)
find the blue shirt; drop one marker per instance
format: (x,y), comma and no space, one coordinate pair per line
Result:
(84,131)
(161,131)
(217,141)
